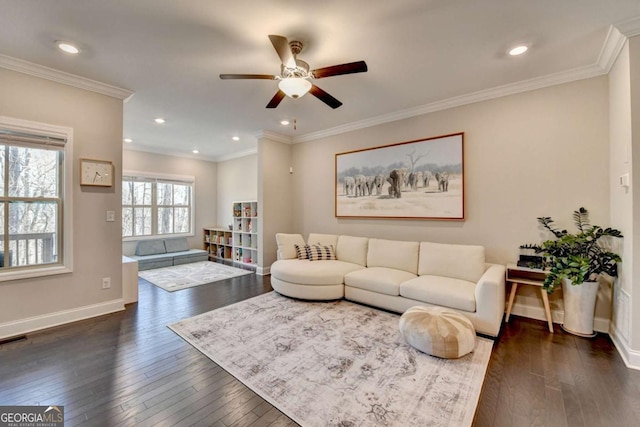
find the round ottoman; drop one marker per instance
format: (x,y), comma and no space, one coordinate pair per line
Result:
(438,331)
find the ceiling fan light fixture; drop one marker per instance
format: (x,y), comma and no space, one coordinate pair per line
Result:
(294,87)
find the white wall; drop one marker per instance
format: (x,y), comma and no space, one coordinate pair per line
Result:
(205,197)
(621,205)
(97,124)
(634,74)
(540,153)
(237,181)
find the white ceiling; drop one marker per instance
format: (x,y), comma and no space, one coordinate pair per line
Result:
(421,54)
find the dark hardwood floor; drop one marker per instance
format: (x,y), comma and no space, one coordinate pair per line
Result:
(129,369)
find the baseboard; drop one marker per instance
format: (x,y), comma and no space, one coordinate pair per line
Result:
(557,316)
(32,324)
(263,271)
(630,357)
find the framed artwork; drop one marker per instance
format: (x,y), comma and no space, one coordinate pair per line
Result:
(421,179)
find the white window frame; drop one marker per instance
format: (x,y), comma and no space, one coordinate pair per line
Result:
(160,177)
(66,222)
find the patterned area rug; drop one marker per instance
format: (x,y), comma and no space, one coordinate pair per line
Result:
(189,275)
(337,363)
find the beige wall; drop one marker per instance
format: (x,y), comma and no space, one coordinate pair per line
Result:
(97,125)
(540,153)
(205,197)
(237,181)
(634,74)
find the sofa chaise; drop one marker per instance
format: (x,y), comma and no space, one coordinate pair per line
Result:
(157,253)
(394,275)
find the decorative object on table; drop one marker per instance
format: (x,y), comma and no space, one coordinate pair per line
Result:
(531,261)
(98,173)
(420,179)
(438,331)
(578,262)
(337,363)
(185,276)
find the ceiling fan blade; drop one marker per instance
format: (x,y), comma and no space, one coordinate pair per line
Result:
(247,76)
(281,45)
(324,97)
(275,101)
(337,70)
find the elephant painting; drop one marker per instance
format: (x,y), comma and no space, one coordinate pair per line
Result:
(396,179)
(418,179)
(443,181)
(378,182)
(360,185)
(426,177)
(370,184)
(413,181)
(349,184)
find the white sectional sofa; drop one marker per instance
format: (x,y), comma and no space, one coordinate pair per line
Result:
(395,275)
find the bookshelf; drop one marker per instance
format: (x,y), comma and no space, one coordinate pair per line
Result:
(245,233)
(218,242)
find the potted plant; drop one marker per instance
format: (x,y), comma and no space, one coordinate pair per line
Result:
(577,261)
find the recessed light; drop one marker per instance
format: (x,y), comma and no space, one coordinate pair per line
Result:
(195,151)
(67,47)
(284,122)
(159,120)
(128,140)
(518,50)
(236,138)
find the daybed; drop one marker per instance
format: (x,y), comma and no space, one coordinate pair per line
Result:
(394,275)
(157,253)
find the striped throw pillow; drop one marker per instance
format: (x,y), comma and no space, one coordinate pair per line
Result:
(320,253)
(301,251)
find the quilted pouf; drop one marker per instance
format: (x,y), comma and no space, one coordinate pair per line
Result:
(438,331)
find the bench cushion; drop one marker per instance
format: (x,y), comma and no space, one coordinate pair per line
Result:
(176,245)
(150,247)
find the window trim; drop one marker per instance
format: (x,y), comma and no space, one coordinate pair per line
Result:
(160,177)
(66,232)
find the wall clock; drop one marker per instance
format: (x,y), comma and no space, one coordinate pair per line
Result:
(96,172)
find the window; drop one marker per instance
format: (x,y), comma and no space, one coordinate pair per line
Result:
(33,173)
(154,206)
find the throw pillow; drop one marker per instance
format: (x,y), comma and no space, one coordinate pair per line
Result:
(301,251)
(321,253)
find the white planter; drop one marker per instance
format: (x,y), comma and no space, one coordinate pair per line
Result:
(579,307)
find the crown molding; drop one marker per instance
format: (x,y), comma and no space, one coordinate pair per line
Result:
(629,28)
(265,134)
(237,155)
(58,76)
(611,48)
(483,95)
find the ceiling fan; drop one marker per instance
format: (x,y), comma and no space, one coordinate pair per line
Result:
(295,77)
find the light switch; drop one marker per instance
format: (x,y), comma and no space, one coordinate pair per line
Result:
(111,216)
(624,180)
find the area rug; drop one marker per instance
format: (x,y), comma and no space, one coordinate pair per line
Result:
(337,363)
(189,275)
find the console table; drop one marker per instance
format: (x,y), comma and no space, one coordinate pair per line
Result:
(527,276)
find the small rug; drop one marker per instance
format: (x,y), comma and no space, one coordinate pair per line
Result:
(188,275)
(337,363)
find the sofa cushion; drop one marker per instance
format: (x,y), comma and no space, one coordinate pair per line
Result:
(323,239)
(378,279)
(176,245)
(352,249)
(320,253)
(393,254)
(286,244)
(305,272)
(150,247)
(301,251)
(442,291)
(464,262)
